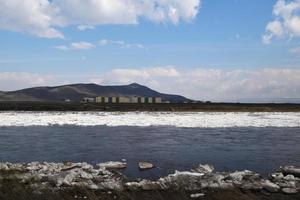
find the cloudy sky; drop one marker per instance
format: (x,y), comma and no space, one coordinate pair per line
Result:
(217,50)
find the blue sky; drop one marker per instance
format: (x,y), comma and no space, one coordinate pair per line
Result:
(223,35)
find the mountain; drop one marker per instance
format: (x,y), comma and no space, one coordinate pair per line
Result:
(76,92)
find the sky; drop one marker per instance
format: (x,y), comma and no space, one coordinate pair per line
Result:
(214,50)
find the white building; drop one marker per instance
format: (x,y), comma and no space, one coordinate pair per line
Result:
(88,100)
(124,99)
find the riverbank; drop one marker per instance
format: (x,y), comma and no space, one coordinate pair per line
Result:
(103,181)
(127,107)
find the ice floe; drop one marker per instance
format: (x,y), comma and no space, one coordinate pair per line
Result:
(143,119)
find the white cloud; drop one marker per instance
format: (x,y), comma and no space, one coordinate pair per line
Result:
(76,46)
(85,27)
(286,22)
(33,16)
(213,84)
(129,75)
(103,42)
(256,85)
(123,44)
(62,47)
(43,17)
(82,45)
(20,80)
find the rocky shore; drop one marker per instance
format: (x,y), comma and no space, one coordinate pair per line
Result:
(80,180)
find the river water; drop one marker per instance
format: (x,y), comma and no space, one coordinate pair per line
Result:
(172,141)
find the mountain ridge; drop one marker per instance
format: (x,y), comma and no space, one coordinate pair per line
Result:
(76,92)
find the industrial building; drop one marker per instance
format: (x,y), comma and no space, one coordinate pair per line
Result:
(88,100)
(131,99)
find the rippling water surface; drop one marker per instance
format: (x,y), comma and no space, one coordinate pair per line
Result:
(214,138)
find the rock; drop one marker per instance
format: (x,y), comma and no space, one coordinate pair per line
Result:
(16,167)
(198,195)
(145,165)
(69,178)
(144,185)
(4,166)
(270,187)
(111,184)
(290,170)
(85,175)
(86,166)
(289,190)
(59,182)
(254,186)
(287,184)
(289,178)
(93,186)
(238,176)
(133,185)
(277,176)
(41,175)
(67,163)
(190,181)
(205,169)
(112,165)
(70,167)
(226,186)
(33,166)
(218,178)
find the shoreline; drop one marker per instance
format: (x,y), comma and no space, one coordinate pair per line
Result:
(163,107)
(104,181)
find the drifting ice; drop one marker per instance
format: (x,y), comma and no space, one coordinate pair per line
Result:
(143,119)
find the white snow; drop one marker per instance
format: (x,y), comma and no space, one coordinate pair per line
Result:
(177,119)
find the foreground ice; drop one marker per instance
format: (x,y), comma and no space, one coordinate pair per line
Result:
(61,176)
(182,119)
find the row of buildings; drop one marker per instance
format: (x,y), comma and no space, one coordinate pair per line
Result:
(122,99)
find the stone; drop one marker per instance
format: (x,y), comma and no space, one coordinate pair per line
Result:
(112,165)
(150,185)
(270,187)
(290,170)
(277,176)
(239,175)
(289,190)
(289,178)
(59,182)
(190,181)
(145,165)
(93,186)
(226,186)
(4,166)
(111,184)
(67,168)
(69,178)
(41,175)
(33,166)
(85,175)
(144,185)
(133,185)
(254,186)
(198,195)
(286,184)
(205,169)
(218,178)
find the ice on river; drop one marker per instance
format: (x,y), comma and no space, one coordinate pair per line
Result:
(177,119)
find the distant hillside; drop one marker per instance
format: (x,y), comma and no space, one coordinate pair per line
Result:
(76,92)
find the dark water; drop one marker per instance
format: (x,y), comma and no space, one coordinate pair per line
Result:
(169,148)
